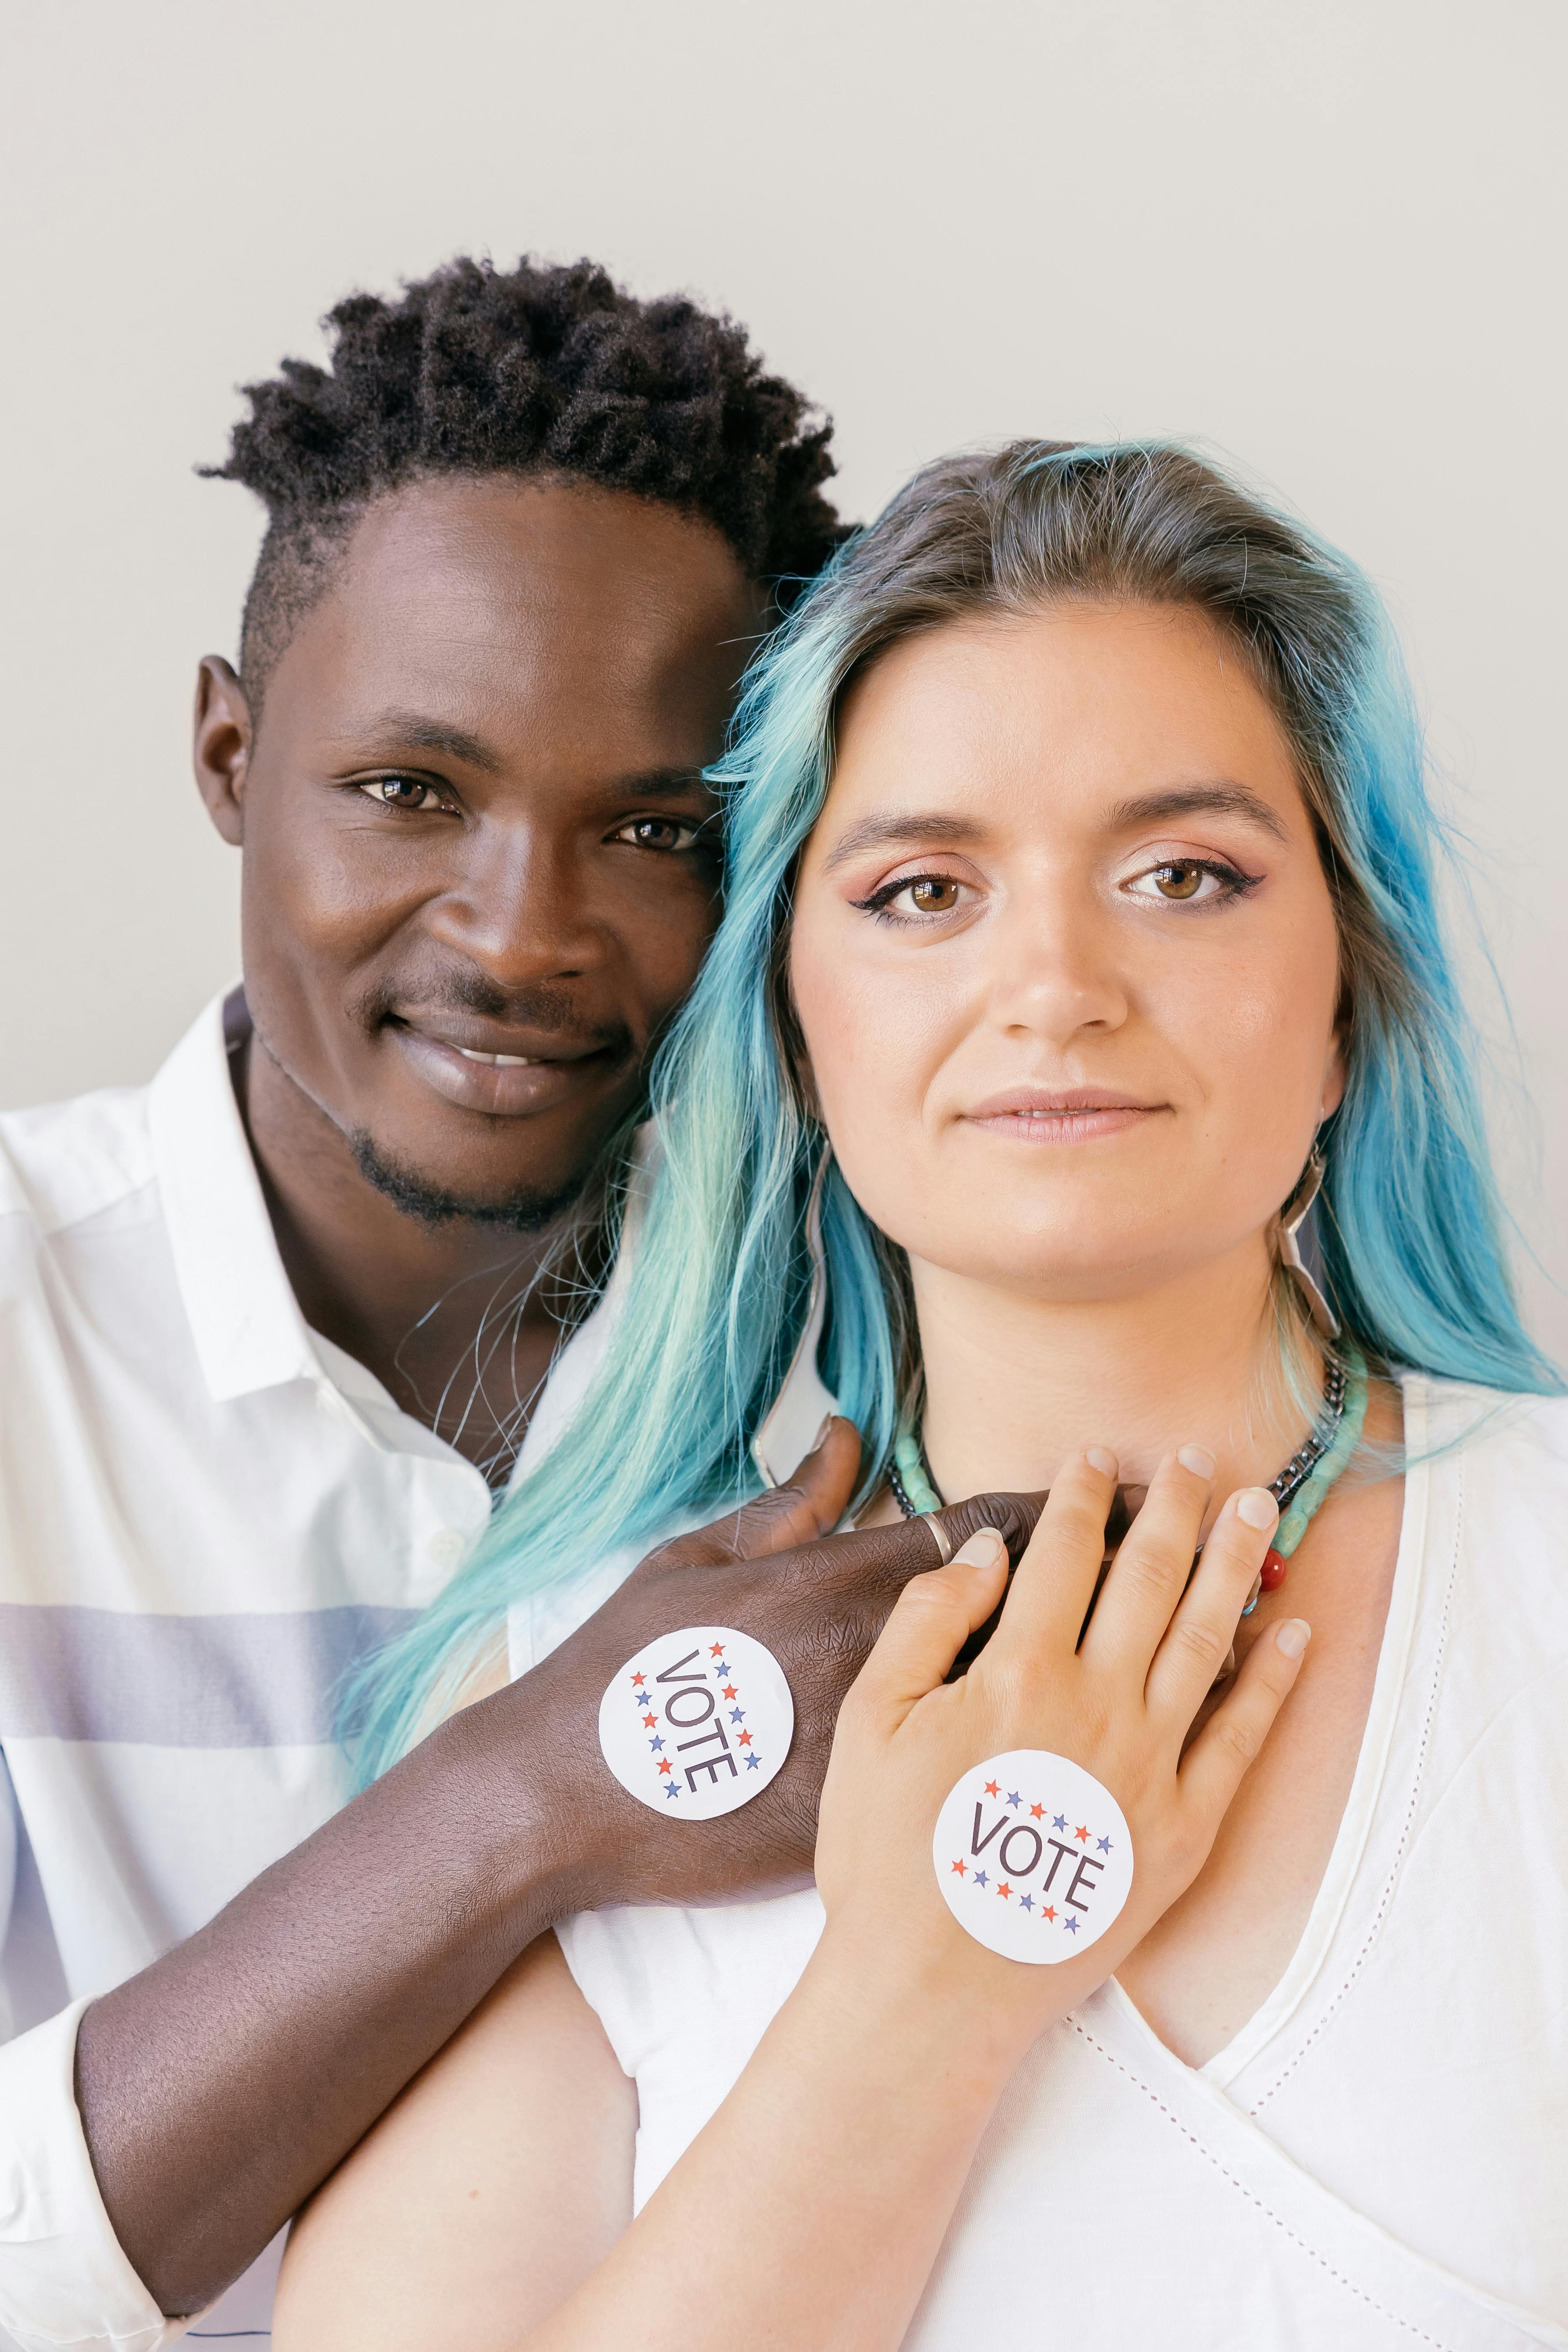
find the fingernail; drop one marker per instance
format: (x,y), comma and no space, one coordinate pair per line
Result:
(1196,1459)
(821,1437)
(981,1550)
(1100,1457)
(1257,1507)
(1293,1636)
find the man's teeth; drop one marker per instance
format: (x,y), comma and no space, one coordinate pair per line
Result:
(501,1061)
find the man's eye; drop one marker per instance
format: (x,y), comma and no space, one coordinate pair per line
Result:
(657,833)
(402,793)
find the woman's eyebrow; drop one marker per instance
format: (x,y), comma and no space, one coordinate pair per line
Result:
(878,832)
(1197,799)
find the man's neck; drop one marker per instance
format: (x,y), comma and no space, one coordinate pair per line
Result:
(1015,1383)
(457,1320)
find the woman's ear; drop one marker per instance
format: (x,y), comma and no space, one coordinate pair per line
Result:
(791,1037)
(1336,1067)
(806,1085)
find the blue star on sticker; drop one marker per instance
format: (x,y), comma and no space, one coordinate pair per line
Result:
(657,1742)
(1026,1902)
(752,1760)
(1072,1927)
(1014,1797)
(1104,1844)
(1060,1822)
(721,1672)
(737,1714)
(980,1878)
(670,1789)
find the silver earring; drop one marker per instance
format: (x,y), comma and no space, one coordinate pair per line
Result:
(1292,1219)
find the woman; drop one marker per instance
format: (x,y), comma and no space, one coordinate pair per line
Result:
(1080,920)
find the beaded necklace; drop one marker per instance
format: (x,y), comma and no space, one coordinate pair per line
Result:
(1299,1490)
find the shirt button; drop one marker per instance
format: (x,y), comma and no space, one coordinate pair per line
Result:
(447,1548)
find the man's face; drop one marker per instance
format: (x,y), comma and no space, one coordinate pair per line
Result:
(480,865)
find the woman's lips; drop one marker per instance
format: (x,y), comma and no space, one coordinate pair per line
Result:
(505,1085)
(1082,1115)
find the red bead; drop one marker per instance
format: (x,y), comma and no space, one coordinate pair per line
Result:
(1272,1575)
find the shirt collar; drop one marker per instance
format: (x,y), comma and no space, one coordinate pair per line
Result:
(244,1317)
(246,1321)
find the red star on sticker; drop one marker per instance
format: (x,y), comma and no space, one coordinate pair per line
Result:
(991,1788)
(1004,1892)
(1036,1812)
(1082,1833)
(715,1649)
(639,1679)
(664,1766)
(745,1740)
(728,1690)
(650,1720)
(1049,1912)
(961,1867)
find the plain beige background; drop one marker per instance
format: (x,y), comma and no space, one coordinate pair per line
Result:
(1323,237)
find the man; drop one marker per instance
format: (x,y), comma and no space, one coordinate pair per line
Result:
(274,1326)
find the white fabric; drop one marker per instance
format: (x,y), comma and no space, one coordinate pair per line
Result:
(1380,2157)
(207,1511)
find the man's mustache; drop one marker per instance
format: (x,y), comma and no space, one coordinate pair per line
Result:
(548,1006)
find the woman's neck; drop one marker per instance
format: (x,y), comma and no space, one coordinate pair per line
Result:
(1015,1383)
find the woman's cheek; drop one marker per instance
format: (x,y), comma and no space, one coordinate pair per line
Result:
(861,1030)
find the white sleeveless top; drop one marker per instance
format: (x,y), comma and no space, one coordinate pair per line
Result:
(1380,2156)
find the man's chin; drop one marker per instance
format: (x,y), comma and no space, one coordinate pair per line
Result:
(522,1209)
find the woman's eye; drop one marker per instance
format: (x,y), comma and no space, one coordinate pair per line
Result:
(933,894)
(402,793)
(912,895)
(1184,879)
(657,833)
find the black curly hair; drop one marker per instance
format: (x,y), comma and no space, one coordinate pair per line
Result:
(541,369)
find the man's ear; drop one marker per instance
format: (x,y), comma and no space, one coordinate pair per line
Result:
(221,747)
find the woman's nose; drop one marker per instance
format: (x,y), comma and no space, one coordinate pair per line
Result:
(1055,973)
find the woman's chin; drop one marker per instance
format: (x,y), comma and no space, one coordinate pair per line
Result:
(1102,1263)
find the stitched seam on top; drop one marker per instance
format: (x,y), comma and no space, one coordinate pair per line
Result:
(1253,2199)
(1398,1862)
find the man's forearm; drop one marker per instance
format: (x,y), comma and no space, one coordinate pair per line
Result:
(222,2084)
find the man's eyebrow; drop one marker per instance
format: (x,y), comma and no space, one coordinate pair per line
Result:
(1197,799)
(878,832)
(683,787)
(403,730)
(396,732)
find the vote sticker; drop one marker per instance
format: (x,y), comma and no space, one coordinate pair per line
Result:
(698,1722)
(1033,1856)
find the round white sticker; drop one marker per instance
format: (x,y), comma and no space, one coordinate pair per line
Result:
(698,1722)
(1033,1856)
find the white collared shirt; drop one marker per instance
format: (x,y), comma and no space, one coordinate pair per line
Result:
(207,1511)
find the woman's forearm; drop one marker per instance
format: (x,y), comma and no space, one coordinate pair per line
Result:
(809,2210)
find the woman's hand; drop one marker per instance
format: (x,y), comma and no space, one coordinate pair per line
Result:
(1121,1702)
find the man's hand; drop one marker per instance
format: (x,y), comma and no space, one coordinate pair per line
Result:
(220,2086)
(817,1601)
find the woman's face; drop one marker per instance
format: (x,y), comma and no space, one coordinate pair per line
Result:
(1063,956)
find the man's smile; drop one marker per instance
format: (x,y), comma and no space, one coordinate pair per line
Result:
(501,1069)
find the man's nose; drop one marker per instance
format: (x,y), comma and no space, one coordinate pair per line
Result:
(518,907)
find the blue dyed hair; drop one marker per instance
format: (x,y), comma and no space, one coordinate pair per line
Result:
(1410,1234)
